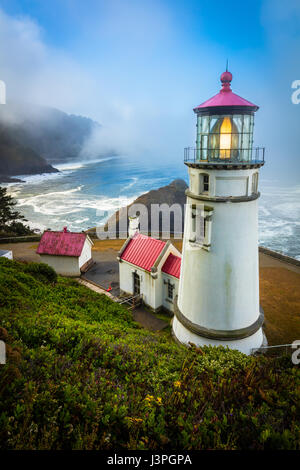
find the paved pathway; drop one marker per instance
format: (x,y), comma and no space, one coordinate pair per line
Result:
(148,320)
(105,272)
(96,288)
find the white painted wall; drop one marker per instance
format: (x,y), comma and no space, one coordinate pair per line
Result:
(223,182)
(219,289)
(244,345)
(64,265)
(152,290)
(169,305)
(86,253)
(69,265)
(160,292)
(148,285)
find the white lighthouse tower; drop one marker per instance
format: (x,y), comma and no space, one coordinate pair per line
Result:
(218,296)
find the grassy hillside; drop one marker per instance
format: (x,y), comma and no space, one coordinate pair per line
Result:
(82,375)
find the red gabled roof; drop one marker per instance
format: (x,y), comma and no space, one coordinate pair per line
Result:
(61,243)
(143,251)
(172,265)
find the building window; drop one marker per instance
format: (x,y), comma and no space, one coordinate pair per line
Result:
(170,288)
(136,284)
(204,183)
(254,183)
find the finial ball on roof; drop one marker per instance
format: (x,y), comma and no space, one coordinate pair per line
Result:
(226,77)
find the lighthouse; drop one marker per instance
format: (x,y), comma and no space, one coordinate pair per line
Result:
(218,294)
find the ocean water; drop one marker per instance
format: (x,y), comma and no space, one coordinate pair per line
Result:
(85,194)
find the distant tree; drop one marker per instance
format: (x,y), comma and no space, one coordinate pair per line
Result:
(10,219)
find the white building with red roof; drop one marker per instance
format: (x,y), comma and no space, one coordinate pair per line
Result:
(69,253)
(150,268)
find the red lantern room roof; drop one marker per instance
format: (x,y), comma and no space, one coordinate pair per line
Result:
(225,97)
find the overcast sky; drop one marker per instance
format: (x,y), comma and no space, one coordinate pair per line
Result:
(139,67)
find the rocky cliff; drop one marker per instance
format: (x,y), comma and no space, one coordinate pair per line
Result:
(17,159)
(173,193)
(32,138)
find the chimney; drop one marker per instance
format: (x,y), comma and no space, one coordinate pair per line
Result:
(65,229)
(133,226)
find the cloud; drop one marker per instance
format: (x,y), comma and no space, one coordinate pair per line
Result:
(127,75)
(138,70)
(111,87)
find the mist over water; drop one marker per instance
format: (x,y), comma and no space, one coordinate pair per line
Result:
(84,194)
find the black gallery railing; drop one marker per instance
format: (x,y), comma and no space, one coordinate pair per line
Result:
(254,155)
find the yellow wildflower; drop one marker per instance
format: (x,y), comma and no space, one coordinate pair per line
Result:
(177,384)
(134,420)
(149,398)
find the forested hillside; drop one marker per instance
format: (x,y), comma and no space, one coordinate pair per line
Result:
(32,138)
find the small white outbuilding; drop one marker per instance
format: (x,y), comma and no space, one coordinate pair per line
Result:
(68,253)
(150,268)
(6,254)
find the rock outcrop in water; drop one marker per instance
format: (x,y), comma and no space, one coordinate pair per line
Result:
(173,193)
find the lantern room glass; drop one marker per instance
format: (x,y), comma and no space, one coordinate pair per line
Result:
(226,137)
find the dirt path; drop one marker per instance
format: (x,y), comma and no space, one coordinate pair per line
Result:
(148,320)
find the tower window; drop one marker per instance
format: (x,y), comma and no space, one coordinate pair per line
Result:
(194,213)
(204,228)
(254,182)
(200,228)
(204,183)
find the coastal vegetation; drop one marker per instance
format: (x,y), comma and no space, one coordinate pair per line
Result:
(11,221)
(81,374)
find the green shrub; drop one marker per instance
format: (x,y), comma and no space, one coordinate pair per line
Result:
(41,271)
(81,374)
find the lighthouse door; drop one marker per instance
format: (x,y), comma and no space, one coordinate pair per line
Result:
(136,284)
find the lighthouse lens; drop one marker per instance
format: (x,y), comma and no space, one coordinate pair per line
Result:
(225,138)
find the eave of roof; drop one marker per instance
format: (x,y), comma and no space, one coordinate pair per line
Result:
(172,266)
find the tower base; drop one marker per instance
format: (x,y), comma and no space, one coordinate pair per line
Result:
(244,345)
